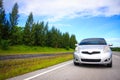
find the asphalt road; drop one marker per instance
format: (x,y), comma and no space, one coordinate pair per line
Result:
(67,71)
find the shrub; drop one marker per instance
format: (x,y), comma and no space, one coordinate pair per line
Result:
(4,44)
(115,49)
(67,48)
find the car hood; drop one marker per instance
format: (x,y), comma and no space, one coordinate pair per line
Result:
(92,47)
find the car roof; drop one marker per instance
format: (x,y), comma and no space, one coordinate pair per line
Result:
(95,39)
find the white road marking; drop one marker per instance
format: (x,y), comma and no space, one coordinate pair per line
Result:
(47,71)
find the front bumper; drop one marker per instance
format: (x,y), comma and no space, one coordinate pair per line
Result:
(102,58)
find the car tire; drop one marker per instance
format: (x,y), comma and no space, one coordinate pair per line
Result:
(110,64)
(76,63)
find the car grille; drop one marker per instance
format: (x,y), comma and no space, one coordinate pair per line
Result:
(91,60)
(94,52)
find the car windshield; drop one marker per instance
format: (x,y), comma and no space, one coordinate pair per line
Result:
(93,41)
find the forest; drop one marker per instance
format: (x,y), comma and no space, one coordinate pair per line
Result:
(32,34)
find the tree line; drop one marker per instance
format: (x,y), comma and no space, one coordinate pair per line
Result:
(33,34)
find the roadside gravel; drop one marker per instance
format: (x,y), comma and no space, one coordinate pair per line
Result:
(22,56)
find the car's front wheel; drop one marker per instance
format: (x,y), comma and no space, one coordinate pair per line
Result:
(109,64)
(76,63)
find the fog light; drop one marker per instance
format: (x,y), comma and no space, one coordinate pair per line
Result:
(107,59)
(76,59)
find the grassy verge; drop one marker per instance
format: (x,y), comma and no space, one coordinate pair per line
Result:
(11,68)
(22,49)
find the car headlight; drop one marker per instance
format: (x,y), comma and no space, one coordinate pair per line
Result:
(77,49)
(106,49)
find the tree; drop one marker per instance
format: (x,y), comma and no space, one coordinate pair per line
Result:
(41,34)
(73,41)
(66,40)
(46,32)
(3,23)
(54,38)
(14,16)
(13,23)
(35,34)
(27,29)
(5,31)
(49,36)
(2,13)
(4,28)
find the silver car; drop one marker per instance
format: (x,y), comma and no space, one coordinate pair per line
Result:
(93,51)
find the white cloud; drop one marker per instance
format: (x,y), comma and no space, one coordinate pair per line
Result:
(58,9)
(60,25)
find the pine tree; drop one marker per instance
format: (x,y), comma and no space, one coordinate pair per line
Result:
(2,13)
(41,34)
(14,16)
(46,34)
(73,41)
(27,29)
(13,23)
(66,41)
(54,37)
(4,28)
(35,34)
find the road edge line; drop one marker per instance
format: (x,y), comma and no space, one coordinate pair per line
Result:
(46,71)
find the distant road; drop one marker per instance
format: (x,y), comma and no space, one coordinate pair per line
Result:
(67,71)
(116,53)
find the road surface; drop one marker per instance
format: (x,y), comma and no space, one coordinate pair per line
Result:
(67,71)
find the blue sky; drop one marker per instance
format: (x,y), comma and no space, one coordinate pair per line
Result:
(84,18)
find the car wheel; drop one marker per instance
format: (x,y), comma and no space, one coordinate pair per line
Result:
(110,64)
(76,63)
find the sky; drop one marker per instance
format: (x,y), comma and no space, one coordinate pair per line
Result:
(83,18)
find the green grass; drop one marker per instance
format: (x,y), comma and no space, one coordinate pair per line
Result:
(11,68)
(22,49)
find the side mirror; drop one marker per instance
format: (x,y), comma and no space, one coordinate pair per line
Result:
(110,44)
